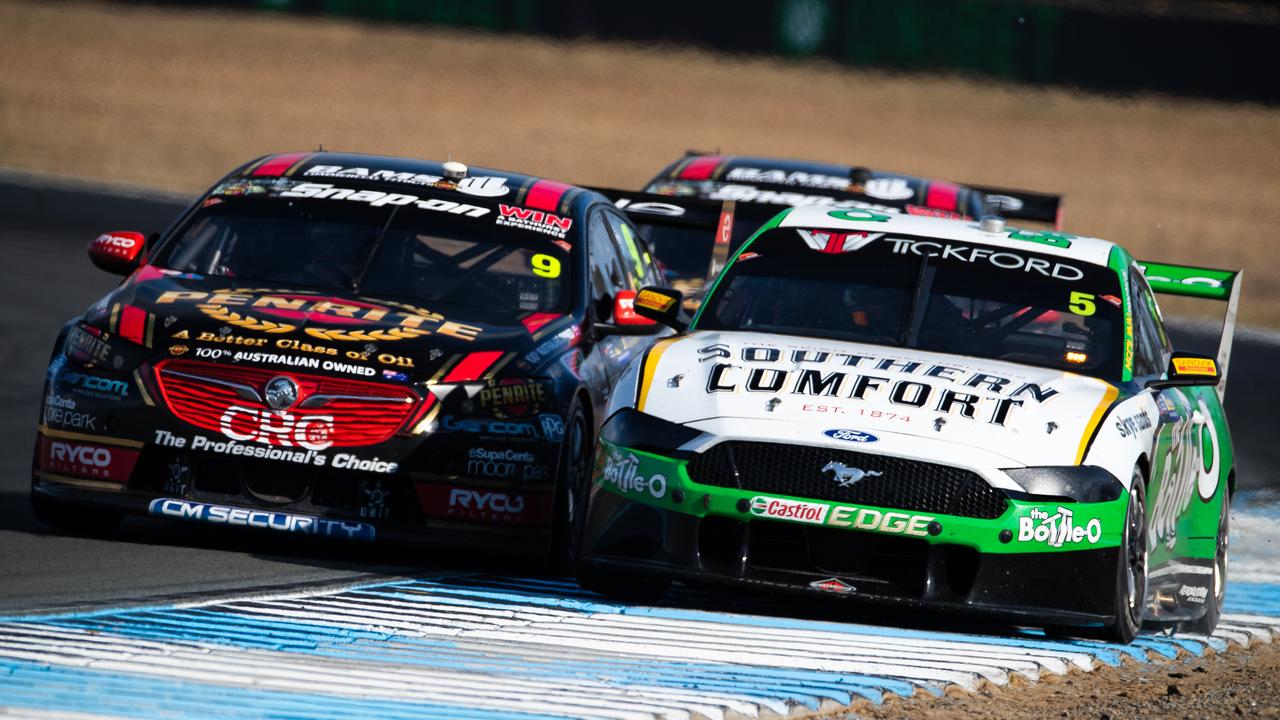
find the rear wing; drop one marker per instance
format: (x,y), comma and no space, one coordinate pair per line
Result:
(1204,283)
(1023,204)
(713,216)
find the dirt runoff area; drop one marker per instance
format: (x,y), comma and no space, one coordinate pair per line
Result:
(175,97)
(1234,684)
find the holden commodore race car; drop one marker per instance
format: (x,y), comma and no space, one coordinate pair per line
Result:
(696,211)
(930,413)
(348,346)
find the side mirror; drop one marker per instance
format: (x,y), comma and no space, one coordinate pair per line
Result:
(625,319)
(117,252)
(1189,369)
(662,305)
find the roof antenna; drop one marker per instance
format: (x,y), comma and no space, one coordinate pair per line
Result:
(991,220)
(319,147)
(453,170)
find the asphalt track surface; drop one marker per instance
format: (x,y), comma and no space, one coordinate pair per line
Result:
(45,224)
(284,624)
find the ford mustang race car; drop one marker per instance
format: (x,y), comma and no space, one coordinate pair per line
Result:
(931,413)
(348,346)
(696,211)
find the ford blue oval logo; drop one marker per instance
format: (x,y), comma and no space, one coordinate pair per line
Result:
(850,435)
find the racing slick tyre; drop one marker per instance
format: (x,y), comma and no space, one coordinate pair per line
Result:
(572,487)
(1131,570)
(1206,623)
(74,519)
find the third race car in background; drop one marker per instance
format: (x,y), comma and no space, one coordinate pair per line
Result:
(931,413)
(696,211)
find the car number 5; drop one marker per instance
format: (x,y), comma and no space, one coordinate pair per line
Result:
(1082,304)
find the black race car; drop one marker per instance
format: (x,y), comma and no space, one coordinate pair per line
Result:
(697,210)
(348,346)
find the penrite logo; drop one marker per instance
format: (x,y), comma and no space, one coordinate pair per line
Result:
(535,220)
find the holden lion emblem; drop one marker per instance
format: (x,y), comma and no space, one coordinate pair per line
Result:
(282,393)
(847,476)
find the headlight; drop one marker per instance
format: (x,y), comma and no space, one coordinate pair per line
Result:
(640,431)
(93,347)
(1079,483)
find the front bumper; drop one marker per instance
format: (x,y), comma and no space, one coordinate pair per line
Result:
(294,518)
(1038,562)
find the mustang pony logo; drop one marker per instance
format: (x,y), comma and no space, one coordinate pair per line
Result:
(848,476)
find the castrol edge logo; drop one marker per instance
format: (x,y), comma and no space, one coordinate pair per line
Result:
(794,510)
(282,312)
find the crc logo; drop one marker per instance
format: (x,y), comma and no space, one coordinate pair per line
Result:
(82,455)
(486,501)
(312,432)
(850,435)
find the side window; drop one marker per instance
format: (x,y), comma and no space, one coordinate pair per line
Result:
(630,250)
(608,275)
(1149,357)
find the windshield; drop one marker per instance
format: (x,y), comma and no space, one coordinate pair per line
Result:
(420,255)
(938,295)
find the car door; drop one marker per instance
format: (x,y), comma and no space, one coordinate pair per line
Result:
(607,274)
(1177,453)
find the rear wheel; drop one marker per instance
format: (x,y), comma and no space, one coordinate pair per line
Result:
(1206,623)
(74,519)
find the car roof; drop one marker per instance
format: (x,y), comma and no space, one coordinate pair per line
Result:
(396,173)
(807,179)
(1084,249)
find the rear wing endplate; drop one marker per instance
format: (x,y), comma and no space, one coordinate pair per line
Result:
(1205,283)
(1023,204)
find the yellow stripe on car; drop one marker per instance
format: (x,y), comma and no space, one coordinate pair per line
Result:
(1108,396)
(650,366)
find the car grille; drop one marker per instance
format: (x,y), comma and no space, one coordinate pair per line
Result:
(797,470)
(328,411)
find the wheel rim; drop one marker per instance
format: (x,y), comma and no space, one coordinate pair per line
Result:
(1136,553)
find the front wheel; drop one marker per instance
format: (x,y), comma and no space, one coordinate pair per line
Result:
(571,490)
(1206,623)
(1131,567)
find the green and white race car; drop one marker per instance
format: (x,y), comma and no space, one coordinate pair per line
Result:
(933,413)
